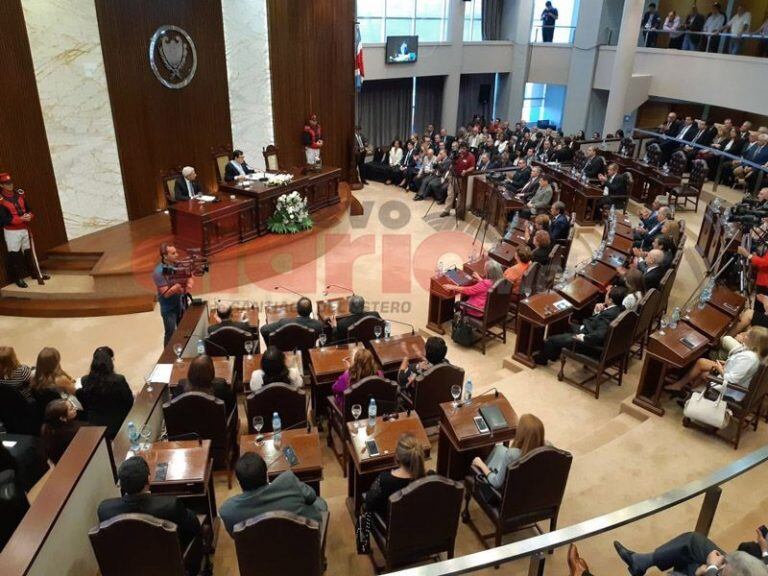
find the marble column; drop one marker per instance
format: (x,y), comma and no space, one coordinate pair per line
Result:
(522,14)
(69,67)
(455,37)
(246,40)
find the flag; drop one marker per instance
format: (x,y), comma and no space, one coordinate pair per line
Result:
(359,68)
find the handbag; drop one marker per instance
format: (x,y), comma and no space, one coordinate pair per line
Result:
(710,412)
(462,332)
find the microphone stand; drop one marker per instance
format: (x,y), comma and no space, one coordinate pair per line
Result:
(411,326)
(276,288)
(344,288)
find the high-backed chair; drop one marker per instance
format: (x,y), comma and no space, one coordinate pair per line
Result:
(364,330)
(430,389)
(532,492)
(421,521)
(568,242)
(20,415)
(527,282)
(153,543)
(678,162)
(288,401)
(494,315)
(691,190)
(612,359)
(204,415)
(665,287)
(221,157)
(169,189)
(579,160)
(230,341)
(294,336)
(556,266)
(280,544)
(271,161)
(380,389)
(653,154)
(646,310)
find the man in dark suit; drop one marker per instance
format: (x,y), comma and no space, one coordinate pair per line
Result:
(224,313)
(356,312)
(304,310)
(559,225)
(687,132)
(705,133)
(615,187)
(595,164)
(360,150)
(530,187)
(237,169)
(517,179)
(651,21)
(407,164)
(286,493)
(134,484)
(644,238)
(186,186)
(587,338)
(654,269)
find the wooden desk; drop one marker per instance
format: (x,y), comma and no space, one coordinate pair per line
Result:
(711,232)
(476,266)
(362,469)
(599,274)
(727,301)
(503,253)
(665,353)
(275,312)
(710,321)
(213,226)
(307,447)
(325,308)
(536,315)
(517,238)
(621,244)
(578,197)
(613,258)
(460,441)
(223,366)
(388,352)
(441,301)
(252,362)
(326,365)
(582,294)
(189,473)
(624,229)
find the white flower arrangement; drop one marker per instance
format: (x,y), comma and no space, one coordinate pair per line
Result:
(291,214)
(277,179)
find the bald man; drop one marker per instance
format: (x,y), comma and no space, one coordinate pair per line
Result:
(186,186)
(655,270)
(224,313)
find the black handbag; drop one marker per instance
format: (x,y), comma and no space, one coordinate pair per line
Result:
(462,332)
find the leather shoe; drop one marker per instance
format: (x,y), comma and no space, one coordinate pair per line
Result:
(541,360)
(626,556)
(577,566)
(444,213)
(21,284)
(46,277)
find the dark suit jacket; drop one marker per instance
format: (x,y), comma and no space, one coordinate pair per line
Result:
(559,228)
(180,190)
(230,172)
(106,405)
(617,186)
(541,255)
(219,388)
(673,128)
(689,134)
(520,178)
(596,327)
(343,324)
(594,166)
(653,277)
(759,155)
(310,323)
(565,154)
(167,508)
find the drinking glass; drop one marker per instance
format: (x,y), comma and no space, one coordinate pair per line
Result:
(178,348)
(377,332)
(387,329)
(527,292)
(146,434)
(456,393)
(249,347)
(357,410)
(664,323)
(334,306)
(148,382)
(322,339)
(258,424)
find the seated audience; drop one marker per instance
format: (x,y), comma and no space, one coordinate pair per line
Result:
(434,355)
(477,293)
(538,200)
(437,186)
(274,369)
(529,436)
(484,163)
(361,366)
(560,225)
(236,169)
(661,242)
(60,425)
(409,457)
(49,381)
(224,314)
(635,290)
(428,163)
(133,475)
(514,274)
(304,311)
(529,189)
(541,247)
(357,312)
(13,373)
(201,377)
(644,236)
(653,269)
(518,178)
(394,158)
(105,396)
(615,187)
(408,163)
(587,338)
(286,493)
(595,164)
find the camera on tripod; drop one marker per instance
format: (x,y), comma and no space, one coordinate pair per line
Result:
(185,268)
(747,214)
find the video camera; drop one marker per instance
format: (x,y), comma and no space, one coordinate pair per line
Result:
(185,268)
(748,212)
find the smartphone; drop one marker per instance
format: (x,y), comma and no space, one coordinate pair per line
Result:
(372,447)
(482,427)
(290,455)
(161,472)
(687,343)
(764,531)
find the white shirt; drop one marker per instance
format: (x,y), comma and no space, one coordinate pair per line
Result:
(631,301)
(190,188)
(739,368)
(395,155)
(714,22)
(740,23)
(238,167)
(672,26)
(257,378)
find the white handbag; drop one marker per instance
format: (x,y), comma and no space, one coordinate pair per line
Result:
(709,412)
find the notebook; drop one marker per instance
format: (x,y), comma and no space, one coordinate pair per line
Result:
(493,417)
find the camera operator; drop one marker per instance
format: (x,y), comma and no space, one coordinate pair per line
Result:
(172,289)
(758,260)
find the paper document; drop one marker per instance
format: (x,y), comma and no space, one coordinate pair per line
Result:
(161,374)
(206,198)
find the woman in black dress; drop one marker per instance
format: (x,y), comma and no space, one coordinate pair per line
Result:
(409,457)
(105,396)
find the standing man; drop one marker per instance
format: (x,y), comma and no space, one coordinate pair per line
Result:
(359,150)
(15,217)
(548,19)
(171,290)
(236,169)
(312,138)
(651,21)
(694,22)
(463,165)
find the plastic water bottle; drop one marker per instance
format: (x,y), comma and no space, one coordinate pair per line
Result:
(200,347)
(133,436)
(372,413)
(612,213)
(277,427)
(675,318)
(468,391)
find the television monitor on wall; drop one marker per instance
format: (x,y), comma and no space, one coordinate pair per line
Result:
(402,49)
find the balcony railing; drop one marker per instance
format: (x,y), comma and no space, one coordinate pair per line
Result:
(723,43)
(552,34)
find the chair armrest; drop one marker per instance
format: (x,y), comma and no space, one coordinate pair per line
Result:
(464,306)
(335,410)
(405,398)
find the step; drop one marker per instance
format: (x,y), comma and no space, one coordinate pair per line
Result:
(67,265)
(75,307)
(604,434)
(62,285)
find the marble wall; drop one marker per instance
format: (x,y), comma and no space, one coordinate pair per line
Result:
(250,90)
(66,51)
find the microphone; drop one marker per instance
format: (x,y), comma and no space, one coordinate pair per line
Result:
(289,290)
(390,406)
(494,390)
(219,346)
(411,326)
(325,292)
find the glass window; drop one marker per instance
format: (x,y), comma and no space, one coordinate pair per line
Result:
(534,102)
(399,26)
(400,8)
(429,29)
(371,30)
(473,21)
(567,16)
(430,9)
(367,8)
(380,18)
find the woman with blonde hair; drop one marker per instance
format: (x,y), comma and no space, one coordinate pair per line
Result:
(529,436)
(671,229)
(361,366)
(50,381)
(409,457)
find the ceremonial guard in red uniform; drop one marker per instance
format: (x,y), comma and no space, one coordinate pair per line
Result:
(312,138)
(15,217)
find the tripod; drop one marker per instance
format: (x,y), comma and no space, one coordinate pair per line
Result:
(453,183)
(483,217)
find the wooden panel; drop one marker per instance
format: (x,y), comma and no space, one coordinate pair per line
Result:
(311,52)
(158,128)
(24,145)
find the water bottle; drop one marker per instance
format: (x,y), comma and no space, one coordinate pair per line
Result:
(200,347)
(133,436)
(675,318)
(372,413)
(277,427)
(468,391)
(612,213)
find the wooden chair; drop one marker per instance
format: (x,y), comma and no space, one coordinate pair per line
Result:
(382,390)
(288,401)
(204,415)
(280,544)
(613,357)
(154,545)
(494,315)
(18,414)
(665,287)
(567,243)
(645,311)
(421,522)
(294,336)
(168,196)
(364,330)
(271,162)
(677,164)
(230,341)
(556,266)
(653,153)
(533,492)
(430,389)
(579,160)
(528,281)
(221,157)
(691,190)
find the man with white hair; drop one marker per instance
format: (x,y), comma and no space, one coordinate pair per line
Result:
(654,270)
(186,186)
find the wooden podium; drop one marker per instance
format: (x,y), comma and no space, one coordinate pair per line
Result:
(535,316)
(213,226)
(441,301)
